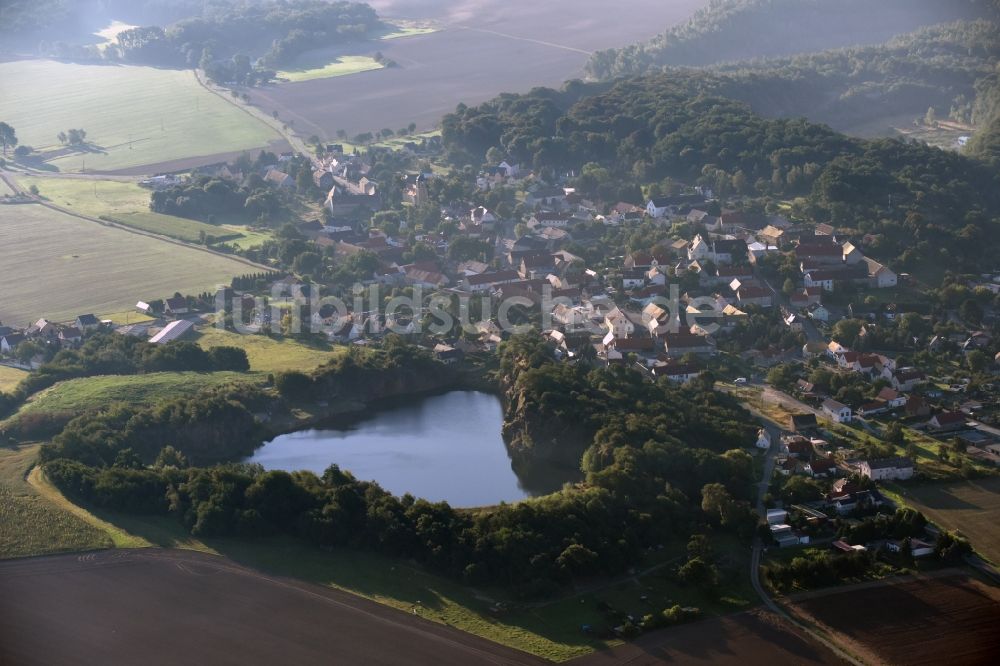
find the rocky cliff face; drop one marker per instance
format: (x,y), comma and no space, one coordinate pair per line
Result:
(534,437)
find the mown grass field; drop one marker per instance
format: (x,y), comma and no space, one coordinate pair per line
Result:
(271,354)
(68,266)
(133,115)
(341,66)
(969,507)
(124,202)
(10,377)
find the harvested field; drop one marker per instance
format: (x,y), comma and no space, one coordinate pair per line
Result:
(971,508)
(747,638)
(82,266)
(950,619)
(174,607)
(479,52)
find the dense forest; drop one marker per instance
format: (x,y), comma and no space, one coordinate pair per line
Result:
(946,67)
(917,203)
(731,30)
(650,480)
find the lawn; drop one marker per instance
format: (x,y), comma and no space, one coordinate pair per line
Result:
(342,66)
(71,266)
(132,115)
(271,354)
(969,507)
(10,377)
(126,203)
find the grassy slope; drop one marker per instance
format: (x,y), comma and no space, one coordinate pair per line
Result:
(165,114)
(271,354)
(31,525)
(87,393)
(73,266)
(127,203)
(341,66)
(10,377)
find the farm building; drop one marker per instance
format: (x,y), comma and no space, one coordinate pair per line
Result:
(175,330)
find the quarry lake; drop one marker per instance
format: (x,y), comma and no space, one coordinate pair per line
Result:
(445,447)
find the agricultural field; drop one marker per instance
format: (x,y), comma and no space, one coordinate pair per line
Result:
(477,52)
(323,67)
(10,377)
(78,266)
(271,354)
(971,508)
(948,619)
(133,116)
(153,598)
(126,203)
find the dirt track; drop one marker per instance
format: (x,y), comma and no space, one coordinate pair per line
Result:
(180,607)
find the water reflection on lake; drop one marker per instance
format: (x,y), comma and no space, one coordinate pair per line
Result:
(442,448)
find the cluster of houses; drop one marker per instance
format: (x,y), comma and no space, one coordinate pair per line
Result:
(45,332)
(162,325)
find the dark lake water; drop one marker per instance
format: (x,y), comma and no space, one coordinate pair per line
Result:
(442,448)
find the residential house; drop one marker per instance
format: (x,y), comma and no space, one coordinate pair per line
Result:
(916,406)
(852,254)
(87,322)
(887,469)
(447,354)
(823,279)
(633,278)
(10,341)
(679,344)
(836,411)
(751,294)
(677,372)
(482,219)
(489,281)
(946,421)
(546,219)
(802,422)
(619,324)
(906,379)
(818,312)
(880,276)
(536,265)
(177,305)
(70,335)
(891,397)
(821,467)
(280,179)
(323,179)
(771,235)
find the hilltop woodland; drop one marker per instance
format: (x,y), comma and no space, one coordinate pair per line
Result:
(652,477)
(734,30)
(914,202)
